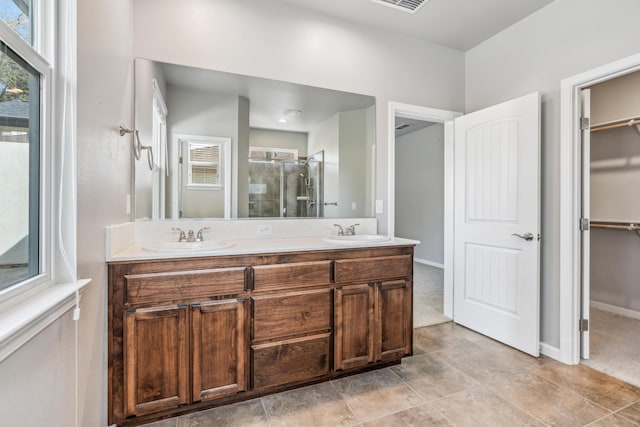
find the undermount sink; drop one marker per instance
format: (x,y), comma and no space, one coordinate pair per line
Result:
(357,239)
(208,245)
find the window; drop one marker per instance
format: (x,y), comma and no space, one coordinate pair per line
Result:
(17,15)
(204,164)
(35,159)
(23,73)
(19,168)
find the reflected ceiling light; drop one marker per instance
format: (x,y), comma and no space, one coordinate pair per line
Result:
(292,113)
(283,120)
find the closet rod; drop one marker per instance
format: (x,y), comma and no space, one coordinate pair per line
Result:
(630,226)
(617,124)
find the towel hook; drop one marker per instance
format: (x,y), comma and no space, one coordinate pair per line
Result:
(137,145)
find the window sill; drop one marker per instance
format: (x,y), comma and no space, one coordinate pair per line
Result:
(199,187)
(26,319)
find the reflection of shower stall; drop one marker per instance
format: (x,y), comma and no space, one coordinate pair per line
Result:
(286,188)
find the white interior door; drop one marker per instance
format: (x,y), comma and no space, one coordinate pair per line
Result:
(586,201)
(497,198)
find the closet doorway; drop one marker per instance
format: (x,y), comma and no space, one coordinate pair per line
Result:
(611,243)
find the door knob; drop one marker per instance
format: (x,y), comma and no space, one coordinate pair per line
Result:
(526,236)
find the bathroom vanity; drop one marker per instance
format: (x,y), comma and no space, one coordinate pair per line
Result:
(188,333)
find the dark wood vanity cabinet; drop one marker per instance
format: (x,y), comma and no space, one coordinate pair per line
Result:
(374,319)
(187,334)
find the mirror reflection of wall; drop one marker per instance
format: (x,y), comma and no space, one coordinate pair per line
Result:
(327,136)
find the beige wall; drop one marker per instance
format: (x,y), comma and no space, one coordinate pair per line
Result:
(616,99)
(105,96)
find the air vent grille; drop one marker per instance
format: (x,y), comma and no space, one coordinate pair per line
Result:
(402,126)
(411,6)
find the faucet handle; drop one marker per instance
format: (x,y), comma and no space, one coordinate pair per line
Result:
(183,237)
(340,229)
(199,237)
(351,230)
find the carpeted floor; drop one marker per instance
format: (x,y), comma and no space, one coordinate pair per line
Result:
(615,345)
(428,288)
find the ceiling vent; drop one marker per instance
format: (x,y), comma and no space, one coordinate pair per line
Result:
(411,6)
(402,126)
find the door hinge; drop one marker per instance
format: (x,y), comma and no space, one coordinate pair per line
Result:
(585,123)
(584,224)
(584,325)
(180,159)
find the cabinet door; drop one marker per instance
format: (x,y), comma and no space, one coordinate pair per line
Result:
(219,348)
(155,354)
(354,326)
(394,321)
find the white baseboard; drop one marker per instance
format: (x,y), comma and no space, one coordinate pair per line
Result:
(615,309)
(431,263)
(550,351)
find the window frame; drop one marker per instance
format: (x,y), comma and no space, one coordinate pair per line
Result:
(33,55)
(219,165)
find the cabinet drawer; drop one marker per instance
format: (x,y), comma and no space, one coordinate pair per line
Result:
(373,269)
(180,285)
(291,313)
(281,276)
(289,361)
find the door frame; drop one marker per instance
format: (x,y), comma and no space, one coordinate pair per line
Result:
(570,200)
(446,117)
(177,168)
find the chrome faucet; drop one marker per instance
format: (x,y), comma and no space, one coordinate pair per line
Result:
(199,237)
(191,237)
(351,230)
(340,229)
(182,237)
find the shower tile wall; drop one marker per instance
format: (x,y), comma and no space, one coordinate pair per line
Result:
(264,189)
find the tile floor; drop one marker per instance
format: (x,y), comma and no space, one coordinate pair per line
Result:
(455,378)
(428,295)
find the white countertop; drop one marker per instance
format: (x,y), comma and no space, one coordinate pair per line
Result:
(254,246)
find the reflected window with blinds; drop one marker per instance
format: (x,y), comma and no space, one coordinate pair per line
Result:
(203,163)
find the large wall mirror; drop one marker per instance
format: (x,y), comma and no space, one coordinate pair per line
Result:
(232,146)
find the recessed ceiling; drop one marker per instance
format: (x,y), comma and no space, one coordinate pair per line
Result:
(458,24)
